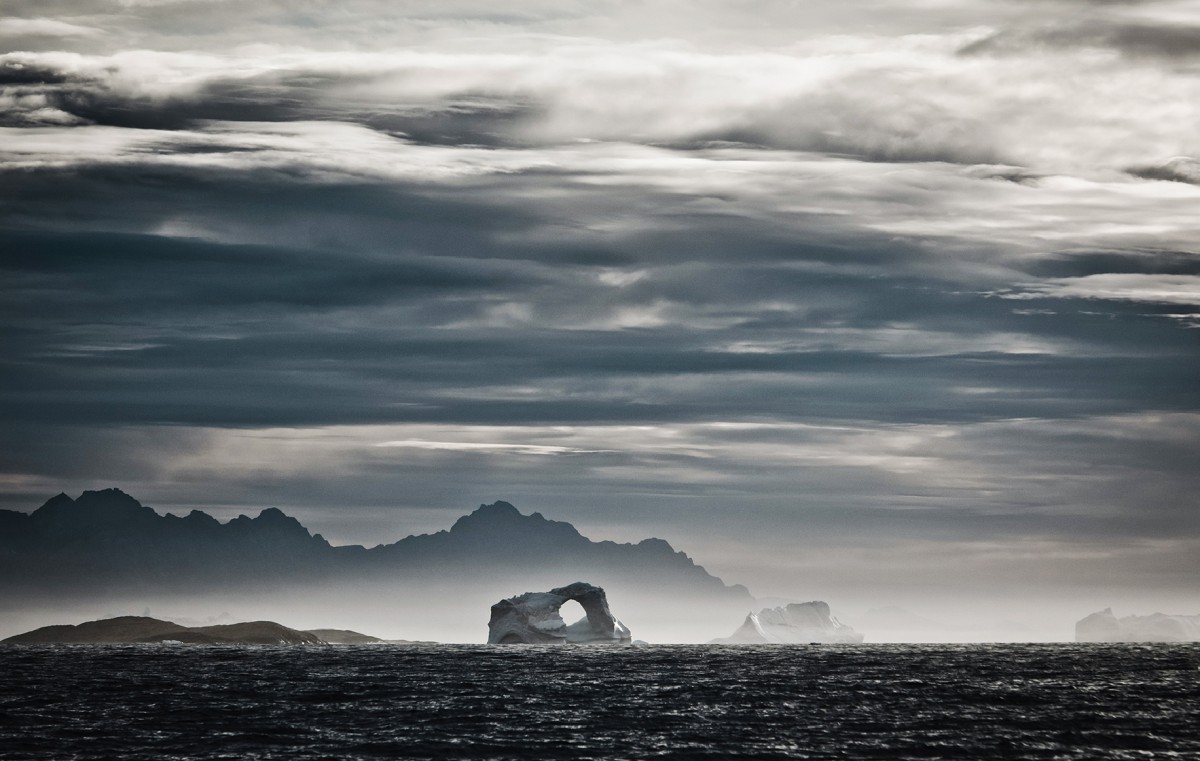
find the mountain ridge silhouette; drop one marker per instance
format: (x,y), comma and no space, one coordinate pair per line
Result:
(106,539)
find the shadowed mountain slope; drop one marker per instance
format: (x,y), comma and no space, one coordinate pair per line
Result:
(107,540)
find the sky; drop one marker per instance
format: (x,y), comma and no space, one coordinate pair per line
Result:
(868,302)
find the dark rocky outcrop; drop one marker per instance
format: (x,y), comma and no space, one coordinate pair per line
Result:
(144,630)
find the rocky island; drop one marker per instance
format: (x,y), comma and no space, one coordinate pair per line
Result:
(131,630)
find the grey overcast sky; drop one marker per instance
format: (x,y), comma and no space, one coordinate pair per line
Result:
(849,300)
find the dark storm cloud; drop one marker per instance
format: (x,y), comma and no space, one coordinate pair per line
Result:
(232,101)
(296,379)
(123,328)
(1149,262)
(98,96)
(1135,39)
(279,330)
(19,73)
(290,221)
(1178,169)
(493,221)
(132,274)
(1167,40)
(274,97)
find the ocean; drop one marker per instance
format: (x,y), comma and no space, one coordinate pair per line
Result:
(586,702)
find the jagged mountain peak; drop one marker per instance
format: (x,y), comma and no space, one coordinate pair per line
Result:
(100,508)
(654,542)
(100,499)
(201,517)
(503,518)
(56,504)
(110,494)
(272,521)
(499,507)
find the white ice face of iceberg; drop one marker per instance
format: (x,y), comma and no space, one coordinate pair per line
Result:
(1156,627)
(533,619)
(795,624)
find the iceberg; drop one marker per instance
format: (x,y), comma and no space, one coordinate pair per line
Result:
(533,619)
(795,624)
(1157,627)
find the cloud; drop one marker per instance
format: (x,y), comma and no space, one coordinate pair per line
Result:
(485,447)
(327,151)
(44,27)
(1136,39)
(906,99)
(1178,169)
(1144,288)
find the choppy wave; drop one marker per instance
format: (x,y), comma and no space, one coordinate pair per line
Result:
(702,702)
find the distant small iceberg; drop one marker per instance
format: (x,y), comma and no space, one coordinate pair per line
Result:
(795,624)
(1104,626)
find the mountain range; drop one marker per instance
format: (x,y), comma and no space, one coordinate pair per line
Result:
(107,540)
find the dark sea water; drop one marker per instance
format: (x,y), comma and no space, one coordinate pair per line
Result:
(447,702)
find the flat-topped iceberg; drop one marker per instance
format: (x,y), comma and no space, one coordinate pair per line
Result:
(1157,627)
(533,619)
(794,624)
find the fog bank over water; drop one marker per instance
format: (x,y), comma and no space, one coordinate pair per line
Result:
(104,554)
(457,611)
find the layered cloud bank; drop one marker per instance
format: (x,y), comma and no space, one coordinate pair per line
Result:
(916,285)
